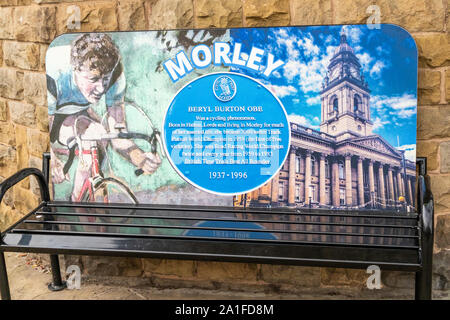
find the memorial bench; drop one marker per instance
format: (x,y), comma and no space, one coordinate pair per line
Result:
(347,231)
(308,237)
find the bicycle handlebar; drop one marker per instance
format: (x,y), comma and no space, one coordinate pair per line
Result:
(152,140)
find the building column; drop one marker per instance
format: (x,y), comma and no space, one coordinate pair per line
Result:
(360,182)
(371,182)
(401,190)
(307,176)
(275,187)
(391,185)
(348,180)
(322,199)
(335,182)
(410,194)
(292,175)
(381,192)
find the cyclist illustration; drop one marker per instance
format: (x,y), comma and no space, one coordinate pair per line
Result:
(89,70)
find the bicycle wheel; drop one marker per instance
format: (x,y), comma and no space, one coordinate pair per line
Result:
(111,190)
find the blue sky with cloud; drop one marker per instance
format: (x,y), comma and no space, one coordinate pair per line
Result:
(389,62)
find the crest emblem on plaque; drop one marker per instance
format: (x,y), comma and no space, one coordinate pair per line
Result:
(224,88)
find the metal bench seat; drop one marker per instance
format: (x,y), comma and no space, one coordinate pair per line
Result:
(309,237)
(188,232)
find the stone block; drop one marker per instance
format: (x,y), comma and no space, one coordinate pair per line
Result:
(11,84)
(42,52)
(14,2)
(21,55)
(98,16)
(168,267)
(3,110)
(218,14)
(429,149)
(38,142)
(441,271)
(447,84)
(444,156)
(131,15)
(7,159)
(428,127)
(311,12)
(22,113)
(7,133)
(267,13)
(22,152)
(398,279)
(295,275)
(35,23)
(35,88)
(226,271)
(343,277)
(6,25)
(24,200)
(111,266)
(433,49)
(35,162)
(171,14)
(421,15)
(443,231)
(440,187)
(429,87)
(42,118)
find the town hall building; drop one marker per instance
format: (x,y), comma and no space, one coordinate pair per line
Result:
(344,164)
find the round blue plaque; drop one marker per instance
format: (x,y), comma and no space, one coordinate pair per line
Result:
(226,133)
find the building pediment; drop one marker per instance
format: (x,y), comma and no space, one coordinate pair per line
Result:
(377,143)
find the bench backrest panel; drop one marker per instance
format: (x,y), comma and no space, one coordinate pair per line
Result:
(327,113)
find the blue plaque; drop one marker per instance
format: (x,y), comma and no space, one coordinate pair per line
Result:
(226,133)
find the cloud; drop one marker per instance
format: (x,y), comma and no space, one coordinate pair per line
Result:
(376,69)
(301,120)
(365,59)
(404,106)
(282,91)
(379,124)
(353,34)
(410,152)
(313,100)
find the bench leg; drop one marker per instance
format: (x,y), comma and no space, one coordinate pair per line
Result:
(4,285)
(57,284)
(423,285)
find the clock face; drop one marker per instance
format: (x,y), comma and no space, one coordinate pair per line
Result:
(354,72)
(334,73)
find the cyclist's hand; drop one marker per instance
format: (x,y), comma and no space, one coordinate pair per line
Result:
(151,163)
(57,171)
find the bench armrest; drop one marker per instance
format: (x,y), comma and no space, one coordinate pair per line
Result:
(22,174)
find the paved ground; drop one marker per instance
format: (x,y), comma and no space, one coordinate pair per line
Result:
(28,280)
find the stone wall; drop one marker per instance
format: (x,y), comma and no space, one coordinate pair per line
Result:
(28,26)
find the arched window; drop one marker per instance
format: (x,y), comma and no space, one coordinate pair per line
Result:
(341,170)
(336,105)
(313,166)
(357,103)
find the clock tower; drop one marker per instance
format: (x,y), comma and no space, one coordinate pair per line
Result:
(345,96)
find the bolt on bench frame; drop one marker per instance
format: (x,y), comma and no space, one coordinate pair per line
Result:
(324,238)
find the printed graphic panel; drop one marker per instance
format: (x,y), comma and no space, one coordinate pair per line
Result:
(315,117)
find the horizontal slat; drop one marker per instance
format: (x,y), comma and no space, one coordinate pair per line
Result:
(218,250)
(278,211)
(128,235)
(285,222)
(144,226)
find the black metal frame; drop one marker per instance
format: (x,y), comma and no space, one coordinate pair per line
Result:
(310,238)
